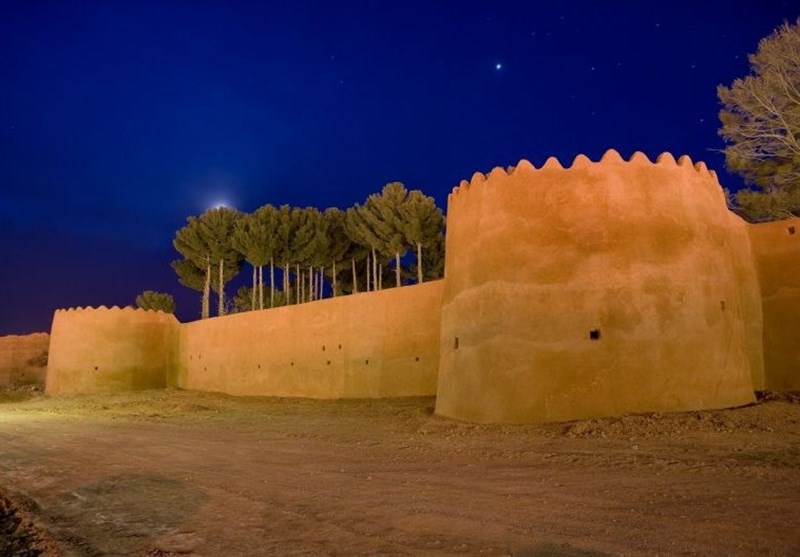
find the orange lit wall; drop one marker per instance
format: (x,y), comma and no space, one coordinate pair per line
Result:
(777,257)
(599,290)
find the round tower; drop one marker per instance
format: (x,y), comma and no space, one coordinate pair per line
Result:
(110,350)
(601,289)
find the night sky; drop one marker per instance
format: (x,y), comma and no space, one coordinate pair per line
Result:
(120,119)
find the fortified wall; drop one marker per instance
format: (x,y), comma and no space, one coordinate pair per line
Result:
(601,289)
(23,359)
(776,246)
(107,350)
(376,344)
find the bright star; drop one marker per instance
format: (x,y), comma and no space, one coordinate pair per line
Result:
(498,66)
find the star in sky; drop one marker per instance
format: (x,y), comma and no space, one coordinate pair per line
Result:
(498,66)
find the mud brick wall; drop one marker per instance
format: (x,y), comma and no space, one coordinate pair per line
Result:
(375,344)
(777,258)
(603,289)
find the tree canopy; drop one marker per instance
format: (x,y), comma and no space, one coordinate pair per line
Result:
(760,118)
(352,249)
(156,301)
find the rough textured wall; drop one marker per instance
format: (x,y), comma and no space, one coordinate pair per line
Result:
(746,278)
(110,350)
(776,247)
(23,359)
(378,344)
(598,290)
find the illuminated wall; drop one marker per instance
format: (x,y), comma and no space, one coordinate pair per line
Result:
(376,344)
(777,257)
(602,289)
(107,350)
(21,359)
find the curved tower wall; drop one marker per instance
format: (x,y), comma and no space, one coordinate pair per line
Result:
(598,290)
(109,350)
(776,247)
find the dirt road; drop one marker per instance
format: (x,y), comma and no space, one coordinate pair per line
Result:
(179,473)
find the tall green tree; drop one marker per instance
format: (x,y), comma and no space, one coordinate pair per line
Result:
(192,244)
(255,237)
(217,227)
(761,125)
(303,245)
(383,214)
(422,223)
(193,276)
(283,252)
(156,301)
(206,242)
(433,257)
(338,244)
(360,232)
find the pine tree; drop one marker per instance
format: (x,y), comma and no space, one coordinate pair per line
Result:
(156,301)
(383,214)
(305,223)
(256,239)
(360,232)
(283,252)
(422,223)
(216,228)
(338,243)
(192,244)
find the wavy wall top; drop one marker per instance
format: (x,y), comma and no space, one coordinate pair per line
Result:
(611,160)
(112,309)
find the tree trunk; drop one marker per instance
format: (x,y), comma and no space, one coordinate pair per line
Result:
(206,309)
(260,287)
(376,284)
(287,286)
(380,276)
(369,274)
(221,308)
(355,276)
(310,283)
(334,278)
(255,288)
(419,263)
(320,280)
(397,267)
(271,283)
(301,292)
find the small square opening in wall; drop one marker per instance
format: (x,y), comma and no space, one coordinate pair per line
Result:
(791,230)
(594,334)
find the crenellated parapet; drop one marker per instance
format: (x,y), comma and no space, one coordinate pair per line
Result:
(600,289)
(112,309)
(609,159)
(103,350)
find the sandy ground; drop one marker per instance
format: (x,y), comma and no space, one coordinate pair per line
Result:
(181,473)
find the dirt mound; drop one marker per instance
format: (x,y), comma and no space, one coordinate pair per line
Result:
(20,535)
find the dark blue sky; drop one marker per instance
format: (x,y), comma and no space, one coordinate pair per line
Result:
(120,119)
